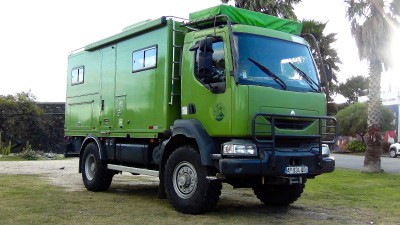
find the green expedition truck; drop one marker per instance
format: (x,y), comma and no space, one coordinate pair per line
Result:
(229,96)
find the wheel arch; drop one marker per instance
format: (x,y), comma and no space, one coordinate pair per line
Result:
(185,132)
(395,149)
(91,139)
(190,132)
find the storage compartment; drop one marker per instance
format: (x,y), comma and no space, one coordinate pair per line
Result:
(132,153)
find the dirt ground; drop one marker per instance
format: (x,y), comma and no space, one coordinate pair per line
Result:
(64,173)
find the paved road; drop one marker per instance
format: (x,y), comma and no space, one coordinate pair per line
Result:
(388,164)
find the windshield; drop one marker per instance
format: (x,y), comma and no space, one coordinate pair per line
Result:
(290,62)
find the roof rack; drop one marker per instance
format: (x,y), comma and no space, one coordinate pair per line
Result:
(207,22)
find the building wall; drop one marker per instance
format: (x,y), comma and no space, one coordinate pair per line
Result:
(53,119)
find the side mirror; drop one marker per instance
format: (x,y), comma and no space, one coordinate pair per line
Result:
(204,61)
(204,64)
(204,45)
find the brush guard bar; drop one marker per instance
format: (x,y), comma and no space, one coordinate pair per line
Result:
(266,128)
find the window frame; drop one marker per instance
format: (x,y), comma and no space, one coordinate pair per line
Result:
(79,81)
(143,50)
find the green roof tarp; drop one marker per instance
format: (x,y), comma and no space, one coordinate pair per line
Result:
(242,16)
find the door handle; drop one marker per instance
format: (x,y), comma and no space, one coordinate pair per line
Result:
(191,108)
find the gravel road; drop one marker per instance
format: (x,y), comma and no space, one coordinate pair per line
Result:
(59,172)
(64,173)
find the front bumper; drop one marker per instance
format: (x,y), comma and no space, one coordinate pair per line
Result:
(269,165)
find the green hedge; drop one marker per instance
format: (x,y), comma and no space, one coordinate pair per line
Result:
(356,146)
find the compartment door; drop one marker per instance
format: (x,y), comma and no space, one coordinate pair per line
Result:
(107,93)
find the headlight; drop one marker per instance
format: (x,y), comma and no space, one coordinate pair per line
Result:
(239,149)
(325,150)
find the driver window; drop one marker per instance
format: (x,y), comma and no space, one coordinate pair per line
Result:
(210,67)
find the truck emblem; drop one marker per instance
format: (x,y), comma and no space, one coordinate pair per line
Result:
(219,112)
(293,113)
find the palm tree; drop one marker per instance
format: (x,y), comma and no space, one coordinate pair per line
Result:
(329,55)
(372,24)
(279,8)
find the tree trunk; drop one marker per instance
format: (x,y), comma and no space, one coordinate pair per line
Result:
(372,161)
(362,135)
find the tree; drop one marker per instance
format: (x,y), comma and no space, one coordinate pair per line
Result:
(329,55)
(279,8)
(353,88)
(372,23)
(353,120)
(20,118)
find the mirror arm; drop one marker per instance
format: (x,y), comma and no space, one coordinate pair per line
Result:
(321,63)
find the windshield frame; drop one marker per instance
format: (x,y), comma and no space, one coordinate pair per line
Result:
(296,41)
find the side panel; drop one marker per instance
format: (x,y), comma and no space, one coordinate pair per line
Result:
(83,98)
(115,99)
(81,114)
(142,96)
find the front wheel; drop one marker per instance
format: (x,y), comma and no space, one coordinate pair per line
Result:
(278,195)
(186,182)
(95,175)
(392,153)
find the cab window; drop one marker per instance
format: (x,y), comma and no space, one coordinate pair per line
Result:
(210,65)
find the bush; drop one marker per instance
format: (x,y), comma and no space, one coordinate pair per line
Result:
(356,146)
(5,150)
(29,155)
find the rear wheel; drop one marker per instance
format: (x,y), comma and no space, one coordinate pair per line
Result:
(278,195)
(186,182)
(392,153)
(95,175)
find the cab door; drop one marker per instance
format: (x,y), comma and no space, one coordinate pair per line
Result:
(206,91)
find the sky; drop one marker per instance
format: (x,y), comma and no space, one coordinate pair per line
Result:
(37,36)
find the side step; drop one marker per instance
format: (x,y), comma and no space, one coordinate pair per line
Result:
(133,170)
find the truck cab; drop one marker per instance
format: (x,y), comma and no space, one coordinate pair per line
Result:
(251,80)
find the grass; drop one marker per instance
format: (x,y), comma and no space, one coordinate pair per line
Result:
(22,157)
(12,158)
(342,197)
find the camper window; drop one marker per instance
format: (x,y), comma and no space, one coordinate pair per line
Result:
(77,75)
(144,59)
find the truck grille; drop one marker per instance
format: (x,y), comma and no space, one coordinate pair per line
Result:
(291,124)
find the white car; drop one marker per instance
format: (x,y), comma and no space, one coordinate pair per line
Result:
(394,150)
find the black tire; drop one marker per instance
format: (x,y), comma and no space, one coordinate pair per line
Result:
(186,184)
(392,153)
(96,177)
(278,195)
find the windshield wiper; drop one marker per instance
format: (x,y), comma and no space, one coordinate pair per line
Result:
(269,73)
(307,78)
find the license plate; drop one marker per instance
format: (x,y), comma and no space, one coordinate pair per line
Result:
(296,170)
